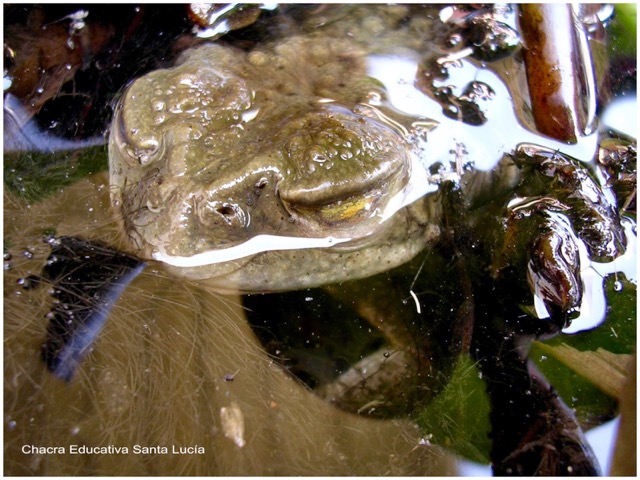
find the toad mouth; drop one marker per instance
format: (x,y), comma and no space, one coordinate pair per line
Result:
(257,244)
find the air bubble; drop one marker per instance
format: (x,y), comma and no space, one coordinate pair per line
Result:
(617,286)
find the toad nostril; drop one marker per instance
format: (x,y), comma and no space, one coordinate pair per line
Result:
(226,210)
(230,214)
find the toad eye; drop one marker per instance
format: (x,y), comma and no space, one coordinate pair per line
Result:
(352,210)
(344,169)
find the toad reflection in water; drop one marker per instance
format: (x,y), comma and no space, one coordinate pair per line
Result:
(269,170)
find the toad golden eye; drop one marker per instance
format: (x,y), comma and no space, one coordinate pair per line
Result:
(347,212)
(344,167)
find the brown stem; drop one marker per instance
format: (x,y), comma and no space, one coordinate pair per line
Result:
(555,64)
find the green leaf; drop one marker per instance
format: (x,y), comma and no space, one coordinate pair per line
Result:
(458,417)
(587,369)
(603,369)
(624,29)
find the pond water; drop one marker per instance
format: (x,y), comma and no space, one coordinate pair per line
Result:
(458,319)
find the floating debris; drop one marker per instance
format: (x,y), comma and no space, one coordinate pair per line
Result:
(233,424)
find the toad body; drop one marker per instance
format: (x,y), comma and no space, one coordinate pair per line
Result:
(268,170)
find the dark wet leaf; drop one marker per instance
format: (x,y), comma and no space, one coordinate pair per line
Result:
(594,217)
(491,40)
(87,280)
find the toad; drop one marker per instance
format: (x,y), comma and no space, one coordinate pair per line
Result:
(269,170)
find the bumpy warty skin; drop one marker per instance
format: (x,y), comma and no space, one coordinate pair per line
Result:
(230,144)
